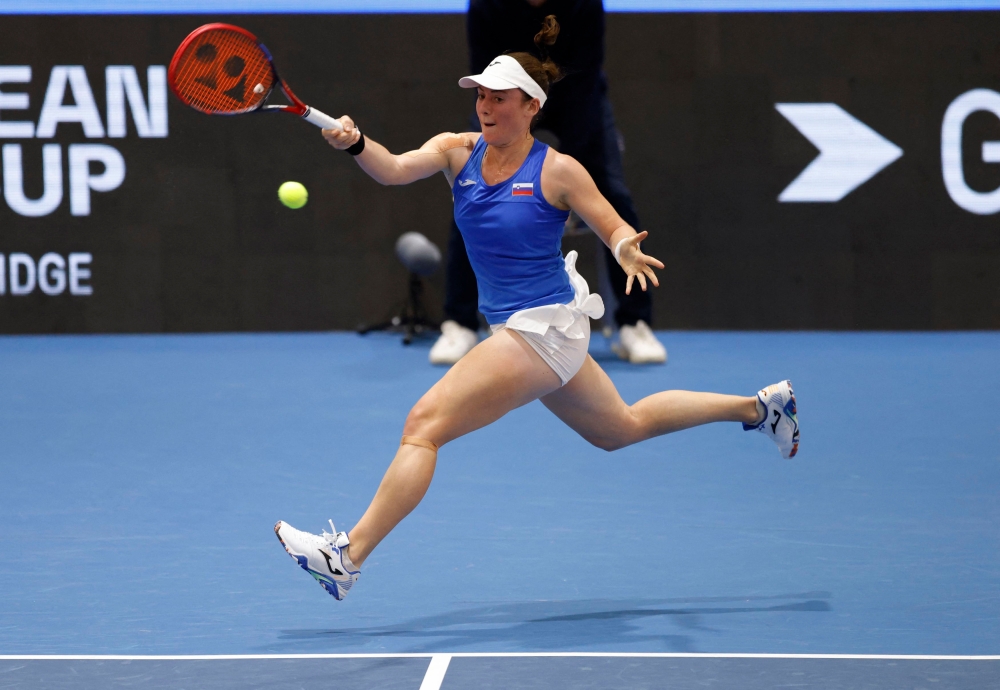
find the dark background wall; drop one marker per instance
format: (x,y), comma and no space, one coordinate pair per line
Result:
(194,239)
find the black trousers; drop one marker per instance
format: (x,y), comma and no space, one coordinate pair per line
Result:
(593,141)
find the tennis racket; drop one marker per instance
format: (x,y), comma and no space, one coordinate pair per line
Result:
(221,69)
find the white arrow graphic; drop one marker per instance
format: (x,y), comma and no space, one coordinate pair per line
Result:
(850,152)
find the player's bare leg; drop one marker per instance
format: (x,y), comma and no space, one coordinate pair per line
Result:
(590,405)
(498,375)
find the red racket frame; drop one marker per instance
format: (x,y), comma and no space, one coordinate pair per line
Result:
(296,105)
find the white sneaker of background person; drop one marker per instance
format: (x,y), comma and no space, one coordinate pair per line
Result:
(455,342)
(639,345)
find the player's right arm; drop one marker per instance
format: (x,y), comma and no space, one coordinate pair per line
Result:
(445,153)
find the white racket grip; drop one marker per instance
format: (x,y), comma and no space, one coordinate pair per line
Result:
(321,119)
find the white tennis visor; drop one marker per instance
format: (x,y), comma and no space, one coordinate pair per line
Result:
(505,73)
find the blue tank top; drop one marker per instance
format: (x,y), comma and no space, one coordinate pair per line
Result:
(513,237)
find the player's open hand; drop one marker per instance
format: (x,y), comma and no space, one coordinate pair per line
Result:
(343,139)
(636,264)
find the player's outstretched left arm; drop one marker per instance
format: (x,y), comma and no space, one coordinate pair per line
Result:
(389,169)
(575,188)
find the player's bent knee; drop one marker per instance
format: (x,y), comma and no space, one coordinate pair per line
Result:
(421,417)
(623,434)
(608,443)
(604,444)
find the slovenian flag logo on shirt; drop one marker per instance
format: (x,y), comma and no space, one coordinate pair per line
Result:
(523,189)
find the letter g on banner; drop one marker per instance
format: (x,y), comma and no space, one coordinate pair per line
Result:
(983,203)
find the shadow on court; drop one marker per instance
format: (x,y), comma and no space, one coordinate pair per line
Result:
(552,625)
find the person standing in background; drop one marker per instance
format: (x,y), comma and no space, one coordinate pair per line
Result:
(579,114)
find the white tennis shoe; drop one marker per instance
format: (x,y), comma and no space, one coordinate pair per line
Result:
(455,342)
(321,556)
(780,421)
(638,345)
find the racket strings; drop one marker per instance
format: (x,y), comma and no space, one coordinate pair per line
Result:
(219,70)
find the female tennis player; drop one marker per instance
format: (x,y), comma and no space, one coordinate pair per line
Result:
(512,196)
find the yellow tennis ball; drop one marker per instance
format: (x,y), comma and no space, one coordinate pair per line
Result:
(293,194)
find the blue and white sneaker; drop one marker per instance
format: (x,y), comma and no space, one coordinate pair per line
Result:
(321,556)
(780,421)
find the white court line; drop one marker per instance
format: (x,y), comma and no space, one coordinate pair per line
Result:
(438,666)
(435,672)
(449,655)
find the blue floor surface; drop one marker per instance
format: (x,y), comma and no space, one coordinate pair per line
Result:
(142,476)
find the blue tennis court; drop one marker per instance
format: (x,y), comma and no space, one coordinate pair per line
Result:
(142,476)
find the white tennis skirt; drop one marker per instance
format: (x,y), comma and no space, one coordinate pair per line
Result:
(560,333)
